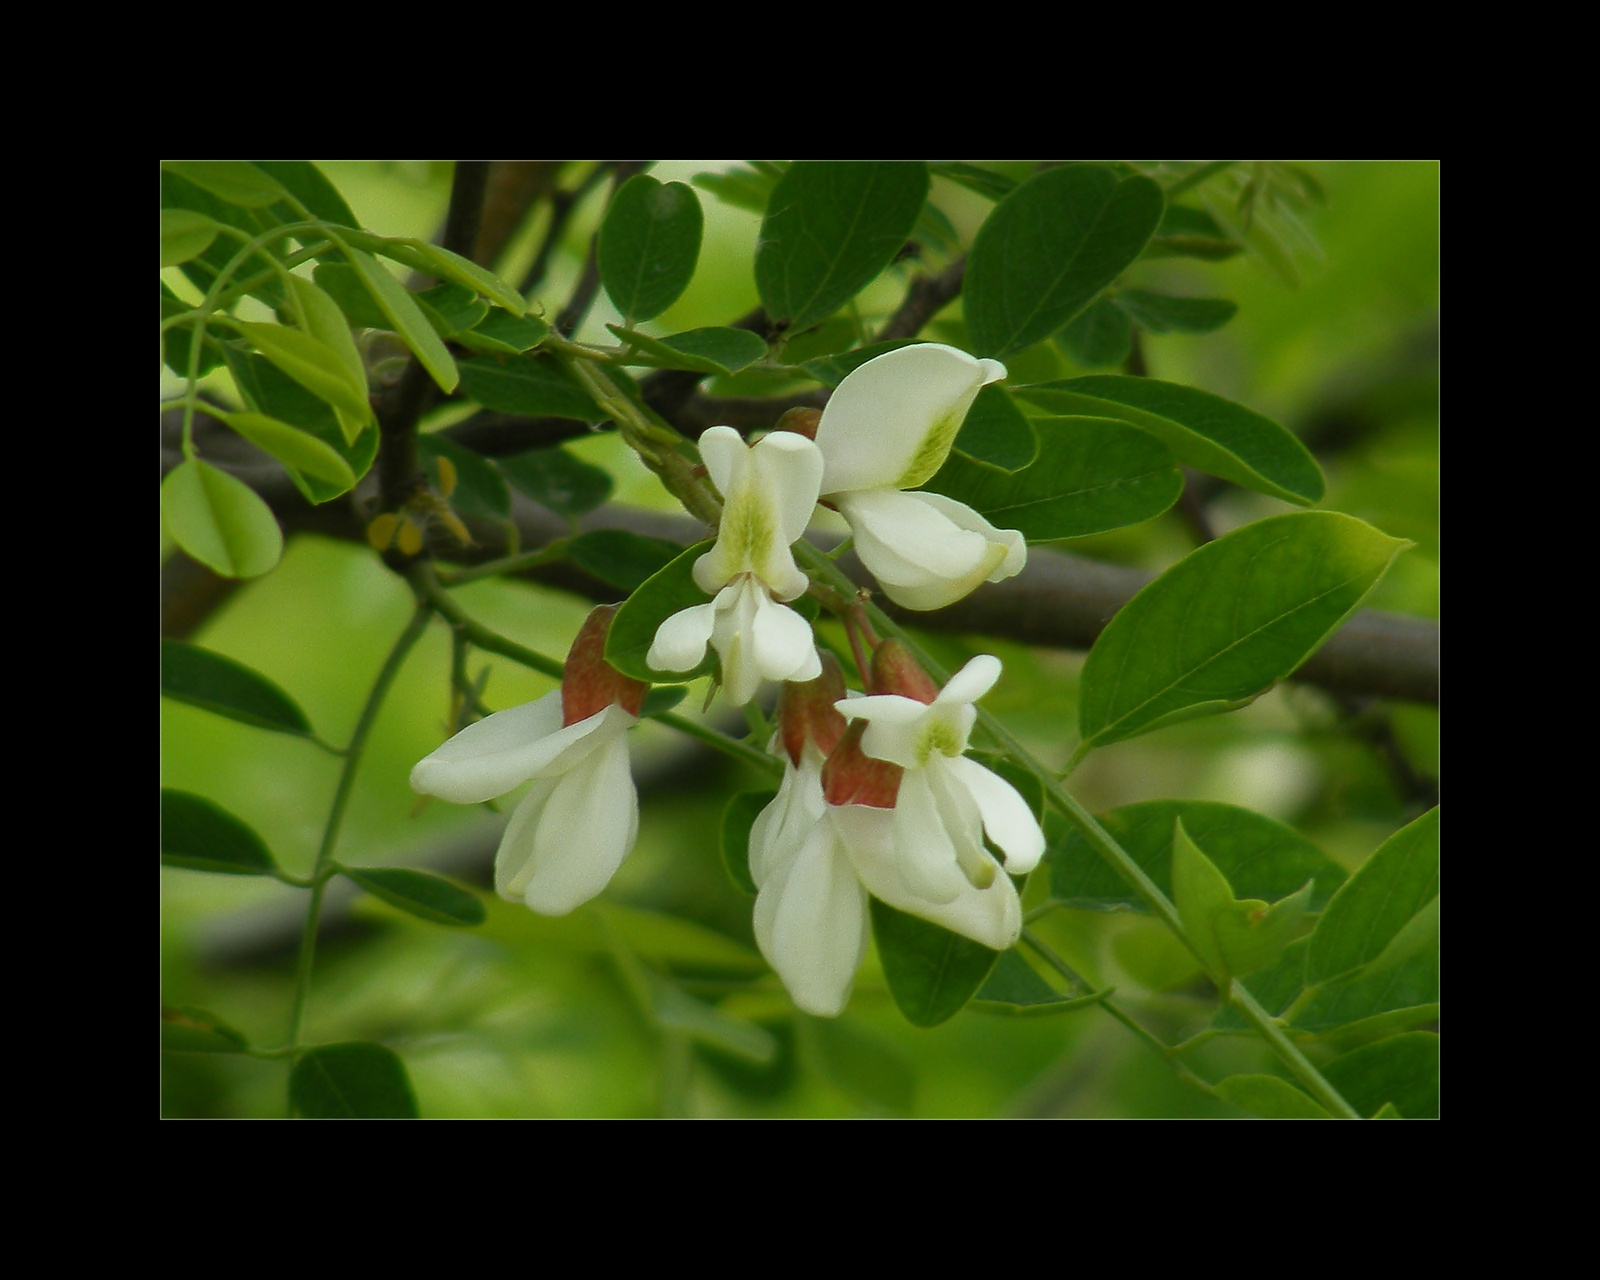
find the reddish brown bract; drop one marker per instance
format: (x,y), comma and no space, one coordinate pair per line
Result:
(591,684)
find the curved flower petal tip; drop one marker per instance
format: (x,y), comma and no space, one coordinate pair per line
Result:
(926,550)
(891,421)
(504,750)
(811,923)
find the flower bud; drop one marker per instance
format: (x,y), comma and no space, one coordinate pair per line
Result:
(806,710)
(894,670)
(590,683)
(801,421)
(852,777)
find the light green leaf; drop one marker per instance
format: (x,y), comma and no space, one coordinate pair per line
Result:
(220,521)
(1270,1098)
(185,234)
(737,819)
(1261,858)
(186,1030)
(1099,338)
(1163,313)
(428,897)
(532,385)
(502,333)
(1228,621)
(743,187)
(1201,893)
(634,628)
(236,181)
(997,432)
(830,228)
(622,559)
(355,1080)
(270,392)
(293,448)
(451,309)
(1202,430)
(202,836)
(406,319)
(438,261)
(712,350)
(1418,936)
(932,973)
(175,341)
(480,489)
(553,477)
(649,244)
(1402,1071)
(1049,247)
(316,366)
(324,321)
(1091,475)
(307,183)
(343,283)
(227,688)
(1250,935)
(1377,902)
(202,271)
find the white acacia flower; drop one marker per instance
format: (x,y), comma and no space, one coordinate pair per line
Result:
(769,491)
(816,861)
(888,428)
(579,819)
(946,802)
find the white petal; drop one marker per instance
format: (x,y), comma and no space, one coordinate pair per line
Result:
(726,456)
(784,649)
(489,758)
(730,637)
(782,827)
(921,557)
(991,916)
(587,827)
(513,862)
(894,726)
(892,420)
(681,640)
(972,681)
(963,516)
(924,850)
(1006,815)
(811,924)
(792,467)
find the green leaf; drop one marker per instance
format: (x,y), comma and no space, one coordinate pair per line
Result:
(677,1010)
(1191,233)
(1402,1071)
(747,188)
(633,630)
(220,521)
(185,234)
(1202,430)
(1163,313)
(991,186)
(533,385)
(1014,987)
(276,395)
(406,319)
(1232,936)
(1419,936)
(737,819)
(1261,858)
(325,322)
(445,264)
(1092,474)
(175,341)
(1049,247)
(355,1080)
(428,897)
(649,244)
(505,334)
(451,309)
(227,688)
(1274,987)
(1228,621)
(624,560)
(997,432)
(316,366)
(202,271)
(306,183)
(202,836)
(235,181)
(480,489)
(1270,1098)
(661,700)
(931,972)
(343,283)
(830,228)
(871,1067)
(553,477)
(1377,902)
(293,448)
(1099,338)
(717,349)
(186,1030)
(1402,997)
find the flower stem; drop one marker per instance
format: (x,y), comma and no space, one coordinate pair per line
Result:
(323,870)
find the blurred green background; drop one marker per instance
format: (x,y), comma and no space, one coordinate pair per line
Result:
(527,1016)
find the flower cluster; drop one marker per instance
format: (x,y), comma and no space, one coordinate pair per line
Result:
(878,796)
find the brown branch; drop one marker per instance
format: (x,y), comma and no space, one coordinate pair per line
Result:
(927,296)
(562,203)
(514,191)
